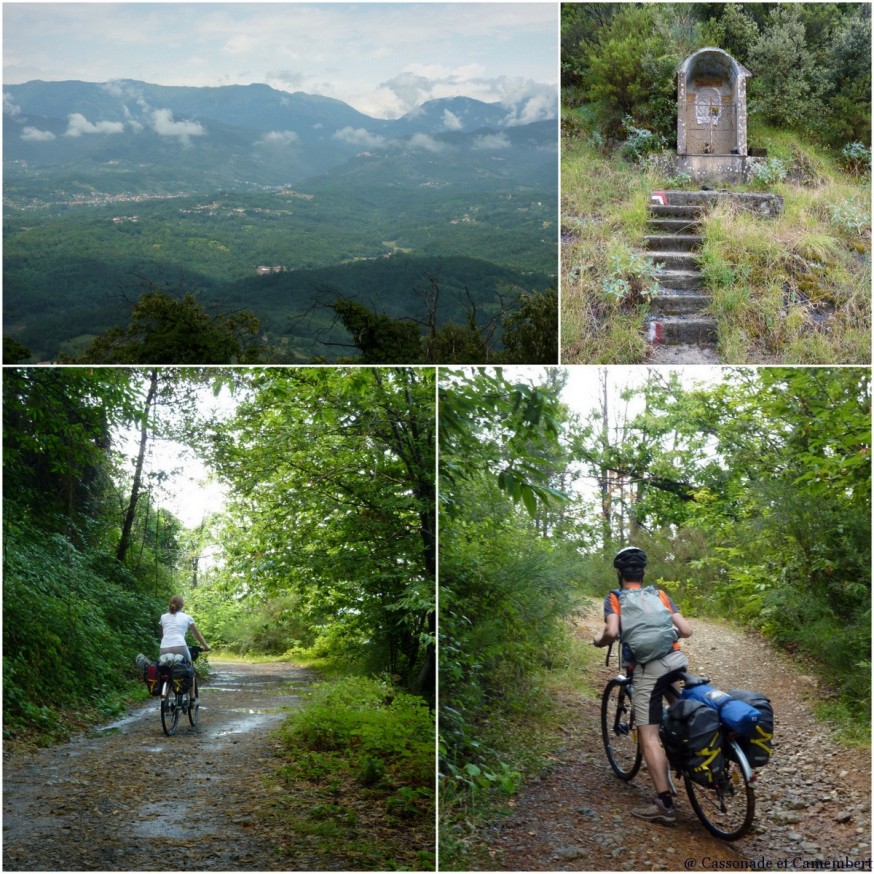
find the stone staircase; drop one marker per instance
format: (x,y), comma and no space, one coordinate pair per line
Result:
(678,318)
(679,327)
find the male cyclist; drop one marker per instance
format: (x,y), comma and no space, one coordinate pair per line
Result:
(650,628)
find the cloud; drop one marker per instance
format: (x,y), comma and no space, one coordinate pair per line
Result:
(527,101)
(240,44)
(77,125)
(410,89)
(541,107)
(492,142)
(9,107)
(279,138)
(429,144)
(35,135)
(130,119)
(359,137)
(451,121)
(164,125)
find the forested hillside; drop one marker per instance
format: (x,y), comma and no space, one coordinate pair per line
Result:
(750,494)
(214,191)
(324,551)
(792,291)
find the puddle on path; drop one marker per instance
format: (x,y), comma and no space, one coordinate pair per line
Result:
(125,721)
(241,726)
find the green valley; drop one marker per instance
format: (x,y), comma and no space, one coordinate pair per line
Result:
(72,269)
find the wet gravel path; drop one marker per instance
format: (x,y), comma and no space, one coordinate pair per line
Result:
(128,798)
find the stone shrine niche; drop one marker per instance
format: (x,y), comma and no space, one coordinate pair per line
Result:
(712,104)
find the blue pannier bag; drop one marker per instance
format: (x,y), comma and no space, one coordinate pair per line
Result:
(737,715)
(758,747)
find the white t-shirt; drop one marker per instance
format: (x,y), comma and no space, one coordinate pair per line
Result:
(175,626)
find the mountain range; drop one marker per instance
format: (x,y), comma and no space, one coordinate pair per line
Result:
(133,136)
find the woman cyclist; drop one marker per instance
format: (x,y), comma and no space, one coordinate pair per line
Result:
(174,626)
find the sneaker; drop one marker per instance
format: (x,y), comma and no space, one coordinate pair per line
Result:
(656,812)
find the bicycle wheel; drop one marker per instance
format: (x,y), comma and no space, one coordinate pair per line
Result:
(727,808)
(194,706)
(170,707)
(619,731)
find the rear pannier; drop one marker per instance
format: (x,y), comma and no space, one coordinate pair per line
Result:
(757,748)
(153,679)
(182,675)
(692,736)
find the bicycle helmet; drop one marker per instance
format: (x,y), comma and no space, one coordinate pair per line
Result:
(630,558)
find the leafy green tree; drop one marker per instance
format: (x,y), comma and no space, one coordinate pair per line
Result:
(784,89)
(762,485)
(847,74)
(170,329)
(381,339)
(14,352)
(530,334)
(630,72)
(333,502)
(70,609)
(736,31)
(503,586)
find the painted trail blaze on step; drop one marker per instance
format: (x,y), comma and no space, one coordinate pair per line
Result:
(659,197)
(654,335)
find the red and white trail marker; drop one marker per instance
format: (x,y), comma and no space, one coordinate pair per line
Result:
(659,197)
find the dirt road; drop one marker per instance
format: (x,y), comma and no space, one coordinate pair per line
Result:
(813,799)
(128,798)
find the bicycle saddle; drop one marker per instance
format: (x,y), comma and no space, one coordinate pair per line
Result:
(690,680)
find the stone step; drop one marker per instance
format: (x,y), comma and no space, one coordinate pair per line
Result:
(676,301)
(674,225)
(770,205)
(674,210)
(683,353)
(682,280)
(673,330)
(673,242)
(674,260)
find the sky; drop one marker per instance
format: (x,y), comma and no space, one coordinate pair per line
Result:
(384,59)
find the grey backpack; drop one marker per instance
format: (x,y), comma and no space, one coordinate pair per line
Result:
(647,627)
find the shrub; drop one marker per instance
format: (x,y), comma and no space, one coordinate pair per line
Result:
(856,158)
(850,216)
(632,280)
(641,143)
(367,729)
(774,170)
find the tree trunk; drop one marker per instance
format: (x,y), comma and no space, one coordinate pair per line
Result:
(604,478)
(124,542)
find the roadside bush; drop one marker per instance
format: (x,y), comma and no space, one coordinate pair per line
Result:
(640,142)
(774,170)
(364,730)
(70,634)
(856,159)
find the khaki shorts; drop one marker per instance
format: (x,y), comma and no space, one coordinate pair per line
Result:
(650,682)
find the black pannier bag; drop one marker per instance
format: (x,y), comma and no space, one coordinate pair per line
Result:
(692,737)
(757,748)
(182,675)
